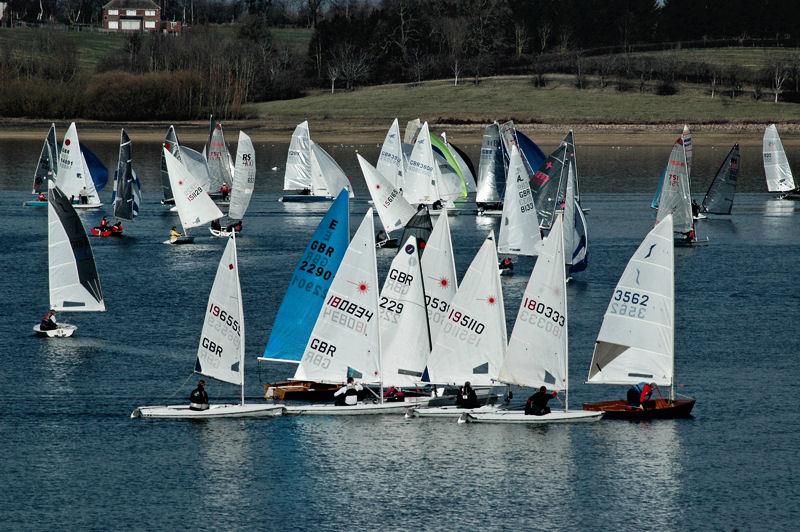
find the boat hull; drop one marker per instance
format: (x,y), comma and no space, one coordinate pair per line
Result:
(449,412)
(389,243)
(213,411)
(87,206)
(304,198)
(683,243)
(300,391)
(355,410)
(221,233)
(180,241)
(64,330)
(661,409)
(519,418)
(35,203)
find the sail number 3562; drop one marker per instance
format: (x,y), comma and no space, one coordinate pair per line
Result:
(631,304)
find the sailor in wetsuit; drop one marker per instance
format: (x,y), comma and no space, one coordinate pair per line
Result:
(537,403)
(48,322)
(198,400)
(347,395)
(467,398)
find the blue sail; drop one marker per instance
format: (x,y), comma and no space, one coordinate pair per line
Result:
(580,255)
(310,282)
(533,154)
(96,168)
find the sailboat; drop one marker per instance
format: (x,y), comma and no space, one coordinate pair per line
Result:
(546,184)
(73,177)
(346,341)
(519,228)
(74,283)
(218,158)
(636,341)
(686,137)
(311,173)
(576,238)
(719,197)
(127,195)
(538,352)
(220,353)
(392,161)
(194,205)
(393,210)
(193,160)
(439,272)
(676,198)
(425,183)
(776,166)
(452,165)
(46,168)
(244,181)
(491,172)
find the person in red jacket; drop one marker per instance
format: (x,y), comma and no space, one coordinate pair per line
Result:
(225,191)
(639,394)
(104,222)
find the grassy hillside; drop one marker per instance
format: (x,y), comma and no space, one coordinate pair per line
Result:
(516,98)
(749,58)
(295,39)
(91,45)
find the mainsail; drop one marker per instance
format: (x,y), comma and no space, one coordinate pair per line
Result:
(345,341)
(127,189)
(420,227)
(220,353)
(73,177)
(310,282)
(412,130)
(297,175)
(719,198)
(519,226)
(405,343)
(172,145)
(686,137)
(391,161)
(393,210)
(439,271)
(776,165)
(491,167)
(675,196)
(95,168)
(327,177)
(448,164)
(576,239)
(424,181)
(195,206)
(637,337)
(218,157)
(74,283)
(471,343)
(538,350)
(47,167)
(244,177)
(546,185)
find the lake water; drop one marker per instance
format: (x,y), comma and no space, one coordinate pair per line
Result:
(73,458)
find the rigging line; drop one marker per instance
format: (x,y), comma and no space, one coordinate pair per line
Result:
(182,385)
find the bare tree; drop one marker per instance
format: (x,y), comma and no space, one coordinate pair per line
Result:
(333,75)
(779,72)
(351,63)
(520,38)
(454,33)
(544,31)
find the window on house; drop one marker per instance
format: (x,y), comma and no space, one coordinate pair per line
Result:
(130,12)
(113,12)
(150,24)
(150,13)
(113,25)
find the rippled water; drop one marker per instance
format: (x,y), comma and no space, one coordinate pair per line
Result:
(73,457)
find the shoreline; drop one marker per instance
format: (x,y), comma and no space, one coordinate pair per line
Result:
(363,132)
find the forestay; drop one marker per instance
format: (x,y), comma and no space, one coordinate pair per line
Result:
(127,193)
(244,177)
(471,343)
(47,167)
(491,167)
(391,162)
(327,177)
(220,353)
(537,352)
(194,205)
(519,228)
(405,342)
(218,157)
(675,196)
(72,177)
(310,282)
(439,273)
(776,165)
(393,210)
(636,339)
(719,198)
(297,175)
(74,283)
(345,339)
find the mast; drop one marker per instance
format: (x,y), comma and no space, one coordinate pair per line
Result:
(241,311)
(375,266)
(566,326)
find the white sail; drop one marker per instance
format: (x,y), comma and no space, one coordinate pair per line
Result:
(405,343)
(345,340)
(194,205)
(423,172)
(393,210)
(471,344)
(219,159)
(491,167)
(73,176)
(392,161)
(675,196)
(196,163)
(298,161)
(324,169)
(776,165)
(519,226)
(220,353)
(636,339)
(412,130)
(439,273)
(244,177)
(537,351)
(74,283)
(569,215)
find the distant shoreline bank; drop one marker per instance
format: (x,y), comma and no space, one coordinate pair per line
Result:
(361,132)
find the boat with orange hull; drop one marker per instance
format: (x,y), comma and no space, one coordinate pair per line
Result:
(656,409)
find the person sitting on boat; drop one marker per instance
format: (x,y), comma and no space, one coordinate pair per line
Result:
(235,226)
(695,209)
(506,264)
(394,394)
(174,234)
(198,400)
(41,197)
(48,322)
(689,235)
(104,222)
(381,236)
(215,225)
(639,394)
(347,395)
(467,398)
(225,191)
(537,403)
(305,192)
(117,227)
(83,196)
(437,205)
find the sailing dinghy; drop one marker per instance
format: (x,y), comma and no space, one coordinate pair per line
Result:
(220,353)
(719,198)
(776,166)
(393,210)
(74,177)
(425,182)
(576,240)
(676,198)
(73,279)
(392,161)
(194,205)
(219,161)
(46,168)
(636,341)
(491,172)
(127,194)
(686,137)
(244,181)
(519,226)
(538,352)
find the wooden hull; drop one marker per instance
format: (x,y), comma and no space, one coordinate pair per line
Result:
(300,391)
(659,409)
(214,411)
(519,418)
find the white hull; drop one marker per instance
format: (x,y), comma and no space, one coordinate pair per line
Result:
(518,417)
(86,206)
(64,330)
(213,411)
(222,233)
(490,212)
(181,240)
(450,411)
(355,410)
